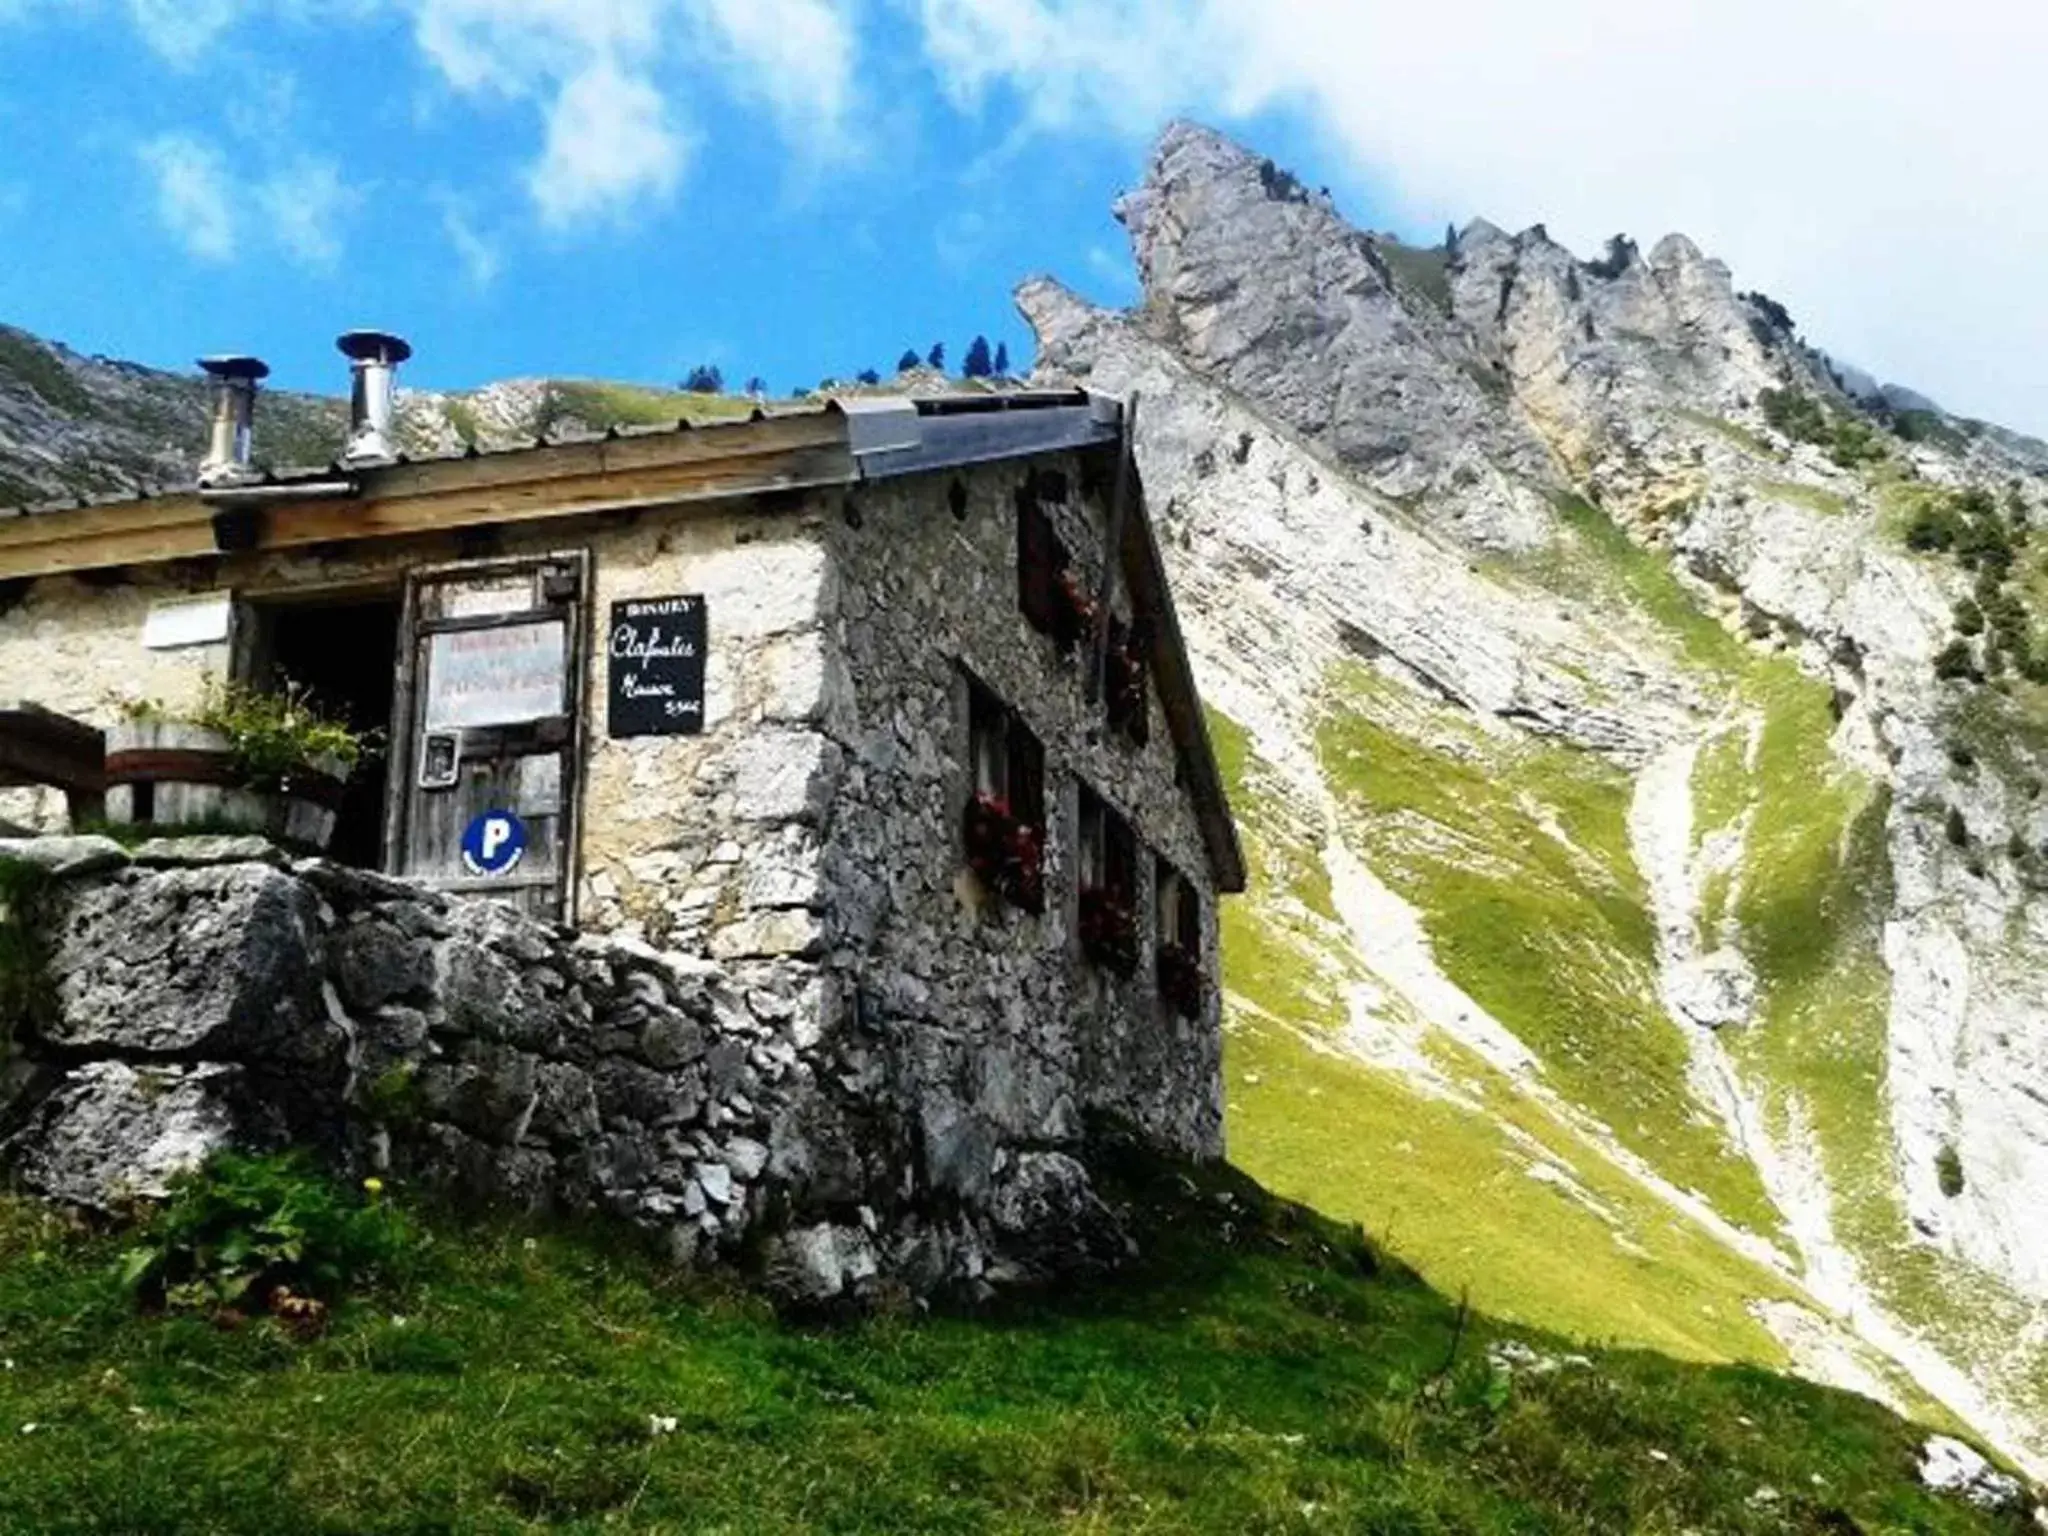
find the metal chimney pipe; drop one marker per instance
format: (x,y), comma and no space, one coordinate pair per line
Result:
(234,418)
(373,357)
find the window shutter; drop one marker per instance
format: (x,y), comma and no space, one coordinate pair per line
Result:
(1038,562)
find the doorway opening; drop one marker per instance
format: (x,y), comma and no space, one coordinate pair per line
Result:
(344,653)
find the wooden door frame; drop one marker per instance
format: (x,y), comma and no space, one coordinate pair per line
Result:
(405,724)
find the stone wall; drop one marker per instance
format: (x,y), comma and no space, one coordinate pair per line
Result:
(207,992)
(681,835)
(1008,1032)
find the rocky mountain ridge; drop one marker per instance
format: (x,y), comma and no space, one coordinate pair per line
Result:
(76,427)
(1432,511)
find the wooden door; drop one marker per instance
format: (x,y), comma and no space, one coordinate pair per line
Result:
(483,797)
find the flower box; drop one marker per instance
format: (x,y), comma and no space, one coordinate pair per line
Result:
(242,759)
(1109,930)
(1006,855)
(174,774)
(1180,979)
(1123,682)
(1074,611)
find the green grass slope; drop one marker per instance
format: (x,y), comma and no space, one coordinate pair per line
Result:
(1807,903)
(1516,853)
(1480,1188)
(1258,1371)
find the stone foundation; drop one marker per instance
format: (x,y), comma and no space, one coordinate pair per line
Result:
(202,993)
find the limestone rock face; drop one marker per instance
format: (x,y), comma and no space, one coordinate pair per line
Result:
(1324,342)
(1456,467)
(1950,1466)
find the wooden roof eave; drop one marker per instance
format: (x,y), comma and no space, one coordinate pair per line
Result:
(575,479)
(1145,574)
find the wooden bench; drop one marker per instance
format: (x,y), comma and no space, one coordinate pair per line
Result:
(41,747)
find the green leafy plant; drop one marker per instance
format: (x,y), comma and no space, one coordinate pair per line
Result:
(272,733)
(275,733)
(1955,662)
(1988,540)
(240,1228)
(1948,1170)
(394,1095)
(1955,828)
(142,711)
(1849,440)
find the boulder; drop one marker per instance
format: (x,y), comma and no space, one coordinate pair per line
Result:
(1947,1465)
(197,964)
(111,1132)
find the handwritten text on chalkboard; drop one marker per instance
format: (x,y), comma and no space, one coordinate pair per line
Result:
(656,651)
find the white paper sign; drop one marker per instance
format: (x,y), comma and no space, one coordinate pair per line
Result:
(194,621)
(495,676)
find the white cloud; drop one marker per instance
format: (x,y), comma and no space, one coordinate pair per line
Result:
(610,146)
(300,208)
(961,239)
(796,56)
(480,258)
(1876,167)
(610,81)
(192,193)
(1119,64)
(531,47)
(609,78)
(303,207)
(184,31)
(1112,268)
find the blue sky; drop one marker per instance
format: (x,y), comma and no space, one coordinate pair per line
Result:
(141,192)
(796,188)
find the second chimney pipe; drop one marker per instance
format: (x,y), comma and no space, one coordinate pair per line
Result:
(234,418)
(373,357)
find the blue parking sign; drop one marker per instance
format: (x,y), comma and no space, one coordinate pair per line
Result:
(493,843)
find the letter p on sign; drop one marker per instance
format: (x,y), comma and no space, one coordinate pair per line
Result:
(492,843)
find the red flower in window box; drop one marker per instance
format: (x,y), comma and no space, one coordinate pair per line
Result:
(1074,611)
(1109,930)
(1023,880)
(1006,855)
(1123,681)
(986,829)
(1180,979)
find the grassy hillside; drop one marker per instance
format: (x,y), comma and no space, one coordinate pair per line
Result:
(1476,1184)
(1259,1371)
(1515,856)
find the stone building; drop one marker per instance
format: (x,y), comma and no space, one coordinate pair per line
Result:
(804,824)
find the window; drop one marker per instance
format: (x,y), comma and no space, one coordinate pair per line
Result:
(1123,683)
(1003,825)
(1180,942)
(1040,559)
(1108,886)
(1053,592)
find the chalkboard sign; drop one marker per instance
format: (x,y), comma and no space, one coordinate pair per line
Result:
(657,667)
